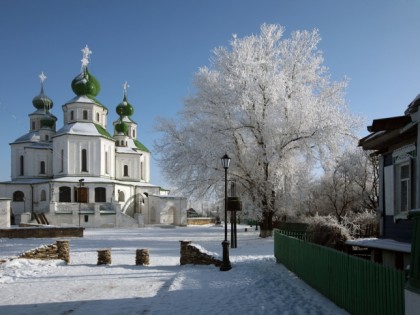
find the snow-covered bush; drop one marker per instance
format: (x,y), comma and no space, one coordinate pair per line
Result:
(327,231)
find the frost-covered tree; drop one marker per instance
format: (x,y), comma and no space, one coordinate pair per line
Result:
(351,186)
(270,104)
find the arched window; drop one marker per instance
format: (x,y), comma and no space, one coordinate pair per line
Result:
(141,171)
(64,194)
(62,160)
(85,115)
(106,162)
(97,117)
(42,168)
(84,160)
(100,194)
(134,133)
(18,196)
(125,170)
(33,125)
(121,196)
(72,115)
(22,165)
(43,195)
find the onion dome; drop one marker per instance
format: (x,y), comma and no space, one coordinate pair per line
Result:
(48,121)
(85,84)
(42,101)
(121,127)
(125,108)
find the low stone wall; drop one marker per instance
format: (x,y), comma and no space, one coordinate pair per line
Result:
(200,221)
(41,232)
(192,254)
(59,250)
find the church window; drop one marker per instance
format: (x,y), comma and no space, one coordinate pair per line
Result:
(62,160)
(125,170)
(97,117)
(85,115)
(106,162)
(33,125)
(72,115)
(64,194)
(18,196)
(43,195)
(121,196)
(22,165)
(134,133)
(141,170)
(100,194)
(47,138)
(84,160)
(42,168)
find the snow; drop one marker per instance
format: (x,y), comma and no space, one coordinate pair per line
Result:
(256,284)
(381,243)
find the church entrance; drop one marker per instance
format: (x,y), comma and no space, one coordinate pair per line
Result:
(82,195)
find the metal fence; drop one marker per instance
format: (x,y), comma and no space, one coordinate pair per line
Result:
(356,285)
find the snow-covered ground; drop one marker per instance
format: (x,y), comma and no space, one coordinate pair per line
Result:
(256,284)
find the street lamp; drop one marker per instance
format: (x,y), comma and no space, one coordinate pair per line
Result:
(78,195)
(225,244)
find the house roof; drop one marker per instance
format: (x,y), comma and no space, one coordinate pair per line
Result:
(389,132)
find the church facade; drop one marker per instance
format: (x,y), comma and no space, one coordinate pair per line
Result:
(82,175)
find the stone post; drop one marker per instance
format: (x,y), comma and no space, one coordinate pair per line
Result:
(104,257)
(142,257)
(63,250)
(412,289)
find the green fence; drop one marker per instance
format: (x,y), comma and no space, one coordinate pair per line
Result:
(356,285)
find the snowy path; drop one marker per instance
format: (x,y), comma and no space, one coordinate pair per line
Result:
(255,285)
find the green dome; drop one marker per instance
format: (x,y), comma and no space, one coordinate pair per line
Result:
(42,101)
(85,84)
(125,108)
(121,127)
(47,121)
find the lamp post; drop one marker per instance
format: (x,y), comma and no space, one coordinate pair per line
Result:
(78,196)
(225,244)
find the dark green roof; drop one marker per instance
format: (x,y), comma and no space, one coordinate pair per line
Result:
(140,146)
(103,131)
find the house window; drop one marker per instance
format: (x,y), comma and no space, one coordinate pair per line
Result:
(85,115)
(404,185)
(64,194)
(100,194)
(72,115)
(125,170)
(18,196)
(43,195)
(84,160)
(22,164)
(42,168)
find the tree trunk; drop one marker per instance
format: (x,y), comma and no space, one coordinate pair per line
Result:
(266,226)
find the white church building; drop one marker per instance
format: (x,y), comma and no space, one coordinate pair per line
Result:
(80,174)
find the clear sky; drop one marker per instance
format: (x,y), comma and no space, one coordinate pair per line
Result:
(158,45)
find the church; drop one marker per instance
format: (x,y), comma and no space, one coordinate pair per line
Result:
(80,174)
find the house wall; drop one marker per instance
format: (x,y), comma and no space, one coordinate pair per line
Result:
(401,230)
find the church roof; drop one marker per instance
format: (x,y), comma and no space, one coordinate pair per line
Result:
(84,129)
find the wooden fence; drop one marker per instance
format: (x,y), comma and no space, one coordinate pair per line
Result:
(356,285)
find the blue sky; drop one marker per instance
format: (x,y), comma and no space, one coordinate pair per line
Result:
(158,45)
